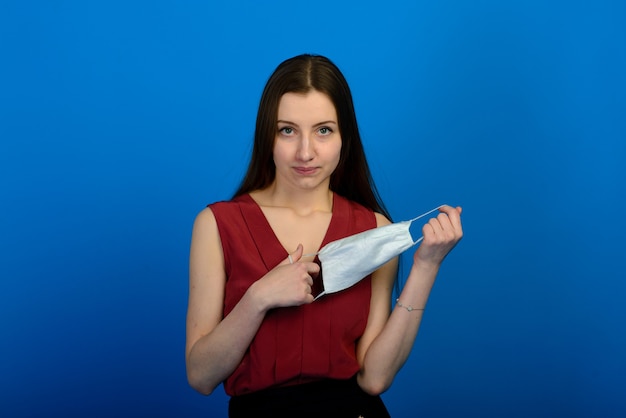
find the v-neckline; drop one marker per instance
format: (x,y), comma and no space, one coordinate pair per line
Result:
(267,241)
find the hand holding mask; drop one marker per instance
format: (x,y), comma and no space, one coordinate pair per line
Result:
(347,261)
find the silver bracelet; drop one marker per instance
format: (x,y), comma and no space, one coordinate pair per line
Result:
(407,307)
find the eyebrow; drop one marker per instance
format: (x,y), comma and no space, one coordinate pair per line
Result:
(326,122)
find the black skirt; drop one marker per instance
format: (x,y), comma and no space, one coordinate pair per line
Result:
(326,398)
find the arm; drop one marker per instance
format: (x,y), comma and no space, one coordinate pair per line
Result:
(388,339)
(216,344)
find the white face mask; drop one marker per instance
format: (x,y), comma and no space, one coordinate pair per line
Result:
(347,261)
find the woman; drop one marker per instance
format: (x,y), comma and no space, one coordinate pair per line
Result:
(252,322)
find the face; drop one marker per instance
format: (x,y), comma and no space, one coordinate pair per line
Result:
(308,144)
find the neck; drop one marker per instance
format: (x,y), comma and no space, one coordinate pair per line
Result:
(301,201)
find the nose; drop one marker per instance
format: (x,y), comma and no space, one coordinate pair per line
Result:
(305,150)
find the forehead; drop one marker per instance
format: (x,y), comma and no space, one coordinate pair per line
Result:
(312,106)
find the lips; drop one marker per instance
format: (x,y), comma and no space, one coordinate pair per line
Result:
(305,171)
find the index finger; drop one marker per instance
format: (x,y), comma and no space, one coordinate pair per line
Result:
(311,266)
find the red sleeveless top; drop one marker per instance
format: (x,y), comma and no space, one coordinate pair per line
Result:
(296,344)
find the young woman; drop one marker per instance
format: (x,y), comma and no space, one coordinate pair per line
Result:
(252,321)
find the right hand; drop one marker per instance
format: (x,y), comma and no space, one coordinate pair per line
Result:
(287,284)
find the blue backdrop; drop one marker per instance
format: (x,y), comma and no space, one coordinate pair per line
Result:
(119,121)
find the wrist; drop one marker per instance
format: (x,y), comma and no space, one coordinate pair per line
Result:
(255,300)
(409,308)
(422,267)
(419,283)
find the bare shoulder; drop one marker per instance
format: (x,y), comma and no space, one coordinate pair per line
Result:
(205,227)
(381,220)
(205,218)
(205,241)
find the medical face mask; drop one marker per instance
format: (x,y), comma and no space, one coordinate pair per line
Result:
(347,261)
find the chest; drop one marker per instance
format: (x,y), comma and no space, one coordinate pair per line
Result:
(292,229)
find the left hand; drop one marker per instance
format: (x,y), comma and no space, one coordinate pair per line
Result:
(441,234)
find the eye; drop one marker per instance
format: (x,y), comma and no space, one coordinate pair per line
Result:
(287,131)
(325,131)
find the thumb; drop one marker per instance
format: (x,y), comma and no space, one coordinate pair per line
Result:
(294,256)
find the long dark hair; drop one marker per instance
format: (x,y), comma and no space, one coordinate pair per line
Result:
(352,178)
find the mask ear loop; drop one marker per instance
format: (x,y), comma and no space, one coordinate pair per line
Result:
(421,216)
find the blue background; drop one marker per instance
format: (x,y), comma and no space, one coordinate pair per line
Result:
(119,121)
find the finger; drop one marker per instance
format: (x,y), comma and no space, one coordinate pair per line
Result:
(442,226)
(437,225)
(294,256)
(457,219)
(312,267)
(454,215)
(297,254)
(429,231)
